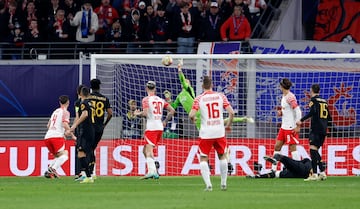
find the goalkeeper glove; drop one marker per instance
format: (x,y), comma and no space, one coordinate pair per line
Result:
(167,95)
(180,64)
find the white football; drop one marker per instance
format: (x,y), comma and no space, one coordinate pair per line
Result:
(167,60)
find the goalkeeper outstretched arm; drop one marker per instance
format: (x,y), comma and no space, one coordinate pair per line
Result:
(185,83)
(187,95)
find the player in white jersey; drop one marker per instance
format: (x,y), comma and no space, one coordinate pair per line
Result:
(290,114)
(212,130)
(55,136)
(153,111)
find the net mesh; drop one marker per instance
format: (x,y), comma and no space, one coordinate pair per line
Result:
(252,87)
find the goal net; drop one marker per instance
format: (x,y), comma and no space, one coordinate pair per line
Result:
(251,83)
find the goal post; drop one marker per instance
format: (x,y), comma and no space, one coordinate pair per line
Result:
(250,81)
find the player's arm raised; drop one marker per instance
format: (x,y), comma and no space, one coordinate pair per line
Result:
(184,82)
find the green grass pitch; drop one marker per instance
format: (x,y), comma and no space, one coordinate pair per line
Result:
(178,193)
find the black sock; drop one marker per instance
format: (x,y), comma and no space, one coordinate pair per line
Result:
(315,160)
(84,163)
(322,165)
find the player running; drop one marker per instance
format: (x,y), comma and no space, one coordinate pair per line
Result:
(55,136)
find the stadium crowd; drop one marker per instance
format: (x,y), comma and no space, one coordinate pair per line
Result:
(183,22)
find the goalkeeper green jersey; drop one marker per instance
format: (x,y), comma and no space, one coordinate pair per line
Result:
(186,98)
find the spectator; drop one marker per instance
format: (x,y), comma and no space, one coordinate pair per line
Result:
(54,7)
(106,15)
(210,24)
(159,31)
(162,3)
(4,35)
(185,29)
(236,26)
(17,38)
(60,28)
(128,7)
(256,7)
(7,18)
(60,31)
(71,7)
(32,34)
(30,13)
(13,16)
(131,32)
(132,123)
(144,25)
(142,8)
(115,35)
(227,8)
(87,23)
(203,6)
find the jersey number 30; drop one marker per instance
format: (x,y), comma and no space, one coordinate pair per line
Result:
(157,108)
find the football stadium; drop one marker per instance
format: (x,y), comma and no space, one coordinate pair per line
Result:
(179,104)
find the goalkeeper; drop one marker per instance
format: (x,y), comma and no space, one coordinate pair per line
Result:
(186,98)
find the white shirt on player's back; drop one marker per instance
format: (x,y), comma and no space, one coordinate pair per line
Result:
(211,106)
(155,107)
(288,104)
(56,128)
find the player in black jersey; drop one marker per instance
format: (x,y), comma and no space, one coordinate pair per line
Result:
(77,106)
(86,133)
(320,118)
(292,168)
(101,105)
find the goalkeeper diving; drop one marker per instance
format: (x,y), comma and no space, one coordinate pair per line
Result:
(186,99)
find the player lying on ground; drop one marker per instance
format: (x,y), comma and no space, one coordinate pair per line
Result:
(292,168)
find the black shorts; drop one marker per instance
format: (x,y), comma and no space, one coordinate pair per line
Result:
(316,139)
(85,142)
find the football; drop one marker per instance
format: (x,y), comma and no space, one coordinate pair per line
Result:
(167,60)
